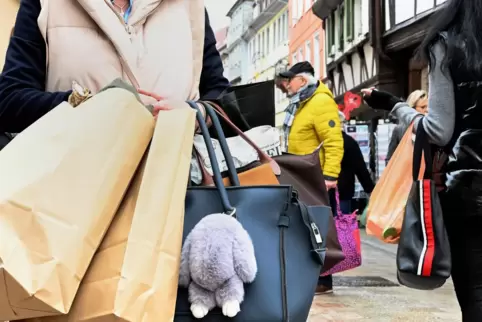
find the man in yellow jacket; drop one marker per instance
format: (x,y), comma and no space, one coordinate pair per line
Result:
(312,119)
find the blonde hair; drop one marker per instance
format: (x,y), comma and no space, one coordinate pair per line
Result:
(415,96)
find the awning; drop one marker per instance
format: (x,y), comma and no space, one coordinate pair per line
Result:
(323,8)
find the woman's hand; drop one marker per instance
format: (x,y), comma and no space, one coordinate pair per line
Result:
(162,104)
(380,100)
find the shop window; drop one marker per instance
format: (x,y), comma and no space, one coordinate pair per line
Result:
(316,55)
(349,19)
(308,51)
(341,29)
(330,35)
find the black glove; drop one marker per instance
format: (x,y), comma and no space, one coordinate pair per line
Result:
(380,100)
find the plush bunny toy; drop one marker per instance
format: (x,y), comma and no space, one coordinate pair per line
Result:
(217,259)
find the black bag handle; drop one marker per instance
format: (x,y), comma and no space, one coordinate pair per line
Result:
(233,174)
(218,180)
(422,147)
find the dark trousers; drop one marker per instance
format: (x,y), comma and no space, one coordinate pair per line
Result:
(345,206)
(465,236)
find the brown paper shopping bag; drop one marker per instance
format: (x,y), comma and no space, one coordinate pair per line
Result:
(134,275)
(386,208)
(63,179)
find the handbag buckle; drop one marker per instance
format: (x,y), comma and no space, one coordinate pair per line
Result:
(316,232)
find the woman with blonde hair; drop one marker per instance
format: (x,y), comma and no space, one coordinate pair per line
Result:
(418,100)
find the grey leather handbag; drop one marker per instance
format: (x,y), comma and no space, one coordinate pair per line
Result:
(288,237)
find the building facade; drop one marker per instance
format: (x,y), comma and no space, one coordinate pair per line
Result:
(351,61)
(241,15)
(267,39)
(403,24)
(7,20)
(373,42)
(306,40)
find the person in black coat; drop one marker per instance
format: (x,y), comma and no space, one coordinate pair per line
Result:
(353,165)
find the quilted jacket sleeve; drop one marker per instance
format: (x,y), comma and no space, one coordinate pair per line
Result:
(327,127)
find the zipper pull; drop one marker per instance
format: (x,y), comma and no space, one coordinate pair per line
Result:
(316,232)
(128,29)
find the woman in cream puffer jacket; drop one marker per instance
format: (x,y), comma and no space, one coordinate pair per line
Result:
(163,47)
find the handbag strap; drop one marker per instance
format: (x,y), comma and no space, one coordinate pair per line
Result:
(422,148)
(221,112)
(263,156)
(233,175)
(338,206)
(315,236)
(218,180)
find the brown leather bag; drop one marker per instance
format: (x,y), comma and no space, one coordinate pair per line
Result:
(304,173)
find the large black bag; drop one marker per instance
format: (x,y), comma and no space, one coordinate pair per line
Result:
(255,101)
(423,256)
(288,239)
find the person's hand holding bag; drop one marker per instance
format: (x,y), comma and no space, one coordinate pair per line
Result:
(162,104)
(380,100)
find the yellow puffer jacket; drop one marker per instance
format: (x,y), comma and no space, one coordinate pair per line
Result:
(316,122)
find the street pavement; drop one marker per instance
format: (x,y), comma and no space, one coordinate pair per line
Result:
(381,298)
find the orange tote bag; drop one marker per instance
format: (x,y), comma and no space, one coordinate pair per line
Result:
(389,198)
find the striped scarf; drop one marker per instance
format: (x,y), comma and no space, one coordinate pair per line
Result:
(295,102)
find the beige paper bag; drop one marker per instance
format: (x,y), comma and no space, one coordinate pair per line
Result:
(63,179)
(134,275)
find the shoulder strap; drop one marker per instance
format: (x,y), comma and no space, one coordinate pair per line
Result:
(422,148)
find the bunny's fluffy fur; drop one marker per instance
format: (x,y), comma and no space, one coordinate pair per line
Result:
(217,259)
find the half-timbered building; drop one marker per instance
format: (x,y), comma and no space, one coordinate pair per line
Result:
(373,43)
(403,25)
(351,61)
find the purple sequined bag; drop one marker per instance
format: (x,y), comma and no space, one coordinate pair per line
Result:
(349,238)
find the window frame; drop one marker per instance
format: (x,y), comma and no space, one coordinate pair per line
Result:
(308,51)
(294,58)
(330,25)
(341,27)
(349,21)
(316,53)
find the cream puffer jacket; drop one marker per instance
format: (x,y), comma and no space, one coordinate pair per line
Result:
(159,49)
